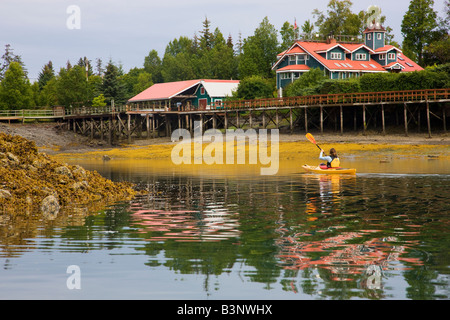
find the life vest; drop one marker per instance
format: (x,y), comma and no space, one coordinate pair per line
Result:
(335,163)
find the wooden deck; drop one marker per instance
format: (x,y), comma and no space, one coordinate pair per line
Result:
(360,98)
(336,111)
(345,99)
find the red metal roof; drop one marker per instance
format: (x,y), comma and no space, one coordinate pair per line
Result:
(387,48)
(168,90)
(295,50)
(392,64)
(375,29)
(352,47)
(340,65)
(295,67)
(163,91)
(314,48)
(408,64)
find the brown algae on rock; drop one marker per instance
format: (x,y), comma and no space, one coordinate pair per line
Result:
(35,182)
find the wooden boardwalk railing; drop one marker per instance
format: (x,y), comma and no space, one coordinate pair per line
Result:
(28,114)
(59,113)
(342,99)
(360,98)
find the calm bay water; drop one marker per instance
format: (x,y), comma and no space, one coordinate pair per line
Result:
(205,234)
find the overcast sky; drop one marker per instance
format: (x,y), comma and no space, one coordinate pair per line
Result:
(126,30)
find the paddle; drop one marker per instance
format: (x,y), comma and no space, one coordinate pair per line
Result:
(310,137)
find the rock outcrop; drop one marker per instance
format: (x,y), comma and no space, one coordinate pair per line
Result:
(35,182)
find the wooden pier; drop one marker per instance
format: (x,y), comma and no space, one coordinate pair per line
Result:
(413,110)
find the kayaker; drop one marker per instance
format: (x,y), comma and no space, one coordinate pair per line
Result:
(332,160)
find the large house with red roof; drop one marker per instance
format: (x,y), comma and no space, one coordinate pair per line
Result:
(340,60)
(184,95)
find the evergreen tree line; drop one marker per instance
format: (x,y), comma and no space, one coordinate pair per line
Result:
(209,55)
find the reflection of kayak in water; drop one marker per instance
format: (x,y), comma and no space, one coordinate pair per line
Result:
(324,170)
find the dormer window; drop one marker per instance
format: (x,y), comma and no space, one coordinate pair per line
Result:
(361,56)
(382,56)
(391,56)
(336,55)
(298,59)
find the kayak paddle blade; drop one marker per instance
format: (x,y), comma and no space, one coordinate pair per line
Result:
(310,137)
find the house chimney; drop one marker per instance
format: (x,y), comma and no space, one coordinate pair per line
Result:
(331,39)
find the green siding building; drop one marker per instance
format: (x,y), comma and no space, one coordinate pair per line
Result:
(185,95)
(342,60)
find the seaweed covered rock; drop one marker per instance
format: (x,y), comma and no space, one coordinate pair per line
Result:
(34,182)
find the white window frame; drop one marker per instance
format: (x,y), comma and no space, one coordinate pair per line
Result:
(297,58)
(391,56)
(369,36)
(361,56)
(336,56)
(302,57)
(382,56)
(379,37)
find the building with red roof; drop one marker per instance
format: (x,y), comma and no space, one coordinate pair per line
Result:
(181,95)
(341,60)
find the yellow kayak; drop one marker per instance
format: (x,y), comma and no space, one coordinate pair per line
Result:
(318,169)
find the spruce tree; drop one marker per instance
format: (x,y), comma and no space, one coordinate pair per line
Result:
(47,73)
(9,57)
(206,40)
(113,88)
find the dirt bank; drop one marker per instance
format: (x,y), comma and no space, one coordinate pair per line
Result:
(49,138)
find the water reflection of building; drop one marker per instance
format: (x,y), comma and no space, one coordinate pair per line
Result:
(323,243)
(184,211)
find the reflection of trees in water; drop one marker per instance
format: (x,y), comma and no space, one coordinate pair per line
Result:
(309,233)
(333,229)
(18,233)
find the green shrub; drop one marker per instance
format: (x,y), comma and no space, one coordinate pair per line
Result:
(314,82)
(306,84)
(378,82)
(339,86)
(426,79)
(255,87)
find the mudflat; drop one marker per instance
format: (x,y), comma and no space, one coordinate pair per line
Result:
(49,138)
